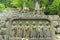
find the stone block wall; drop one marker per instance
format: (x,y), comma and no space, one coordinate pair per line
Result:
(6,18)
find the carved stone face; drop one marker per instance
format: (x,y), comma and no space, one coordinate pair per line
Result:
(47,24)
(2,21)
(44,24)
(14,24)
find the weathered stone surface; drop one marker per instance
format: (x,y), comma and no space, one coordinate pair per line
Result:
(58,30)
(50,17)
(55,17)
(55,24)
(1,37)
(6,23)
(58,37)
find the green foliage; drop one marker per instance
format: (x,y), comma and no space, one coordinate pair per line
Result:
(54,8)
(2,7)
(43,2)
(30,4)
(7,3)
(46,3)
(19,3)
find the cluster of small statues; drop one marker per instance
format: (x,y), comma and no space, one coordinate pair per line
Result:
(36,10)
(30,29)
(26,28)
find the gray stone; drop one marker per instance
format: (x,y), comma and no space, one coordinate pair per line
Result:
(23,23)
(58,37)
(58,30)
(55,17)
(55,24)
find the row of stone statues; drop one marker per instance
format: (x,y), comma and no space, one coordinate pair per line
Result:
(30,33)
(27,33)
(30,29)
